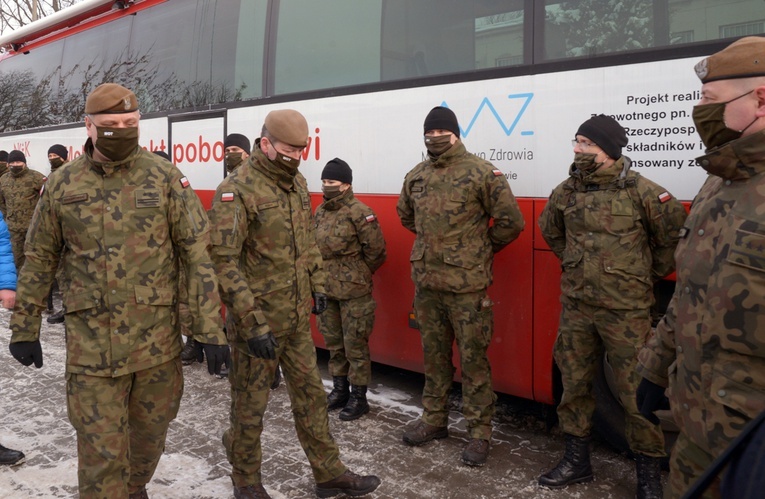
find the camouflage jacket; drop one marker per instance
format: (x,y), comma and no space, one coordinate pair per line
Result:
(18,197)
(615,233)
(351,244)
(448,202)
(710,346)
(125,226)
(264,249)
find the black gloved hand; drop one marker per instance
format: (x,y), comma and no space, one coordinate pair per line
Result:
(217,356)
(263,346)
(319,303)
(650,398)
(27,352)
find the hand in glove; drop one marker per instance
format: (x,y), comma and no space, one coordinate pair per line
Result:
(264,345)
(217,356)
(650,398)
(27,352)
(319,303)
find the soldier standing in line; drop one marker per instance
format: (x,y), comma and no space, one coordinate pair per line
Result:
(3,162)
(237,149)
(19,192)
(615,233)
(352,248)
(127,219)
(269,267)
(710,346)
(448,201)
(57,155)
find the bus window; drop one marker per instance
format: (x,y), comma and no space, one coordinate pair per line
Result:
(246,54)
(592,27)
(326,44)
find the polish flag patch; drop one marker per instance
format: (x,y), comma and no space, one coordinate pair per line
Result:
(370,218)
(664,197)
(496,173)
(227,197)
(184,182)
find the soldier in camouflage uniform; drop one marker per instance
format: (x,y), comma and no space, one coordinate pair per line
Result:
(3,162)
(127,219)
(709,349)
(57,156)
(237,149)
(19,192)
(353,248)
(448,201)
(269,267)
(614,232)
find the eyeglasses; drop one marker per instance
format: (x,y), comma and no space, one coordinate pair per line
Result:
(583,145)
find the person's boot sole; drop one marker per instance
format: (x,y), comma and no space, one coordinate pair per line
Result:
(346,417)
(353,493)
(584,479)
(444,433)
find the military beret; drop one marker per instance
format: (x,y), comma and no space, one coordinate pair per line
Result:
(238,140)
(15,156)
(288,126)
(743,58)
(59,150)
(111,98)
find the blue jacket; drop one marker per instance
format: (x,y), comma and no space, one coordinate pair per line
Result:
(7,265)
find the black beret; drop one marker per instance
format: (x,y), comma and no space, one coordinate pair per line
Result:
(606,132)
(62,152)
(441,118)
(337,169)
(238,140)
(16,156)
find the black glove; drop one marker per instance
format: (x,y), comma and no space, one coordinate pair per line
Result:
(217,356)
(27,352)
(650,398)
(264,346)
(319,303)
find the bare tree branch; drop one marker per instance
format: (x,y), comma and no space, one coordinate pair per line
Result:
(17,13)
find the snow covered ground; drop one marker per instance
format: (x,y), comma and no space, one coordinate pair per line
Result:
(33,419)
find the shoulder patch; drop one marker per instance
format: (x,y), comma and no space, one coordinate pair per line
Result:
(496,172)
(664,197)
(226,197)
(184,182)
(370,218)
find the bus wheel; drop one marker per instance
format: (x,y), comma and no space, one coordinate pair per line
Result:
(609,415)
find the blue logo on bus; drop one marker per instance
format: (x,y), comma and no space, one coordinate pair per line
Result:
(508,125)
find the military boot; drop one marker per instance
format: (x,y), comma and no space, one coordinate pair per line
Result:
(357,406)
(10,456)
(339,395)
(251,492)
(277,378)
(349,483)
(648,477)
(573,468)
(139,494)
(56,318)
(190,351)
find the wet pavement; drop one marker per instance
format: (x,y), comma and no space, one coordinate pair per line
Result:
(33,419)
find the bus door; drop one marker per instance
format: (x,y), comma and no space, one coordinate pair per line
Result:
(196,148)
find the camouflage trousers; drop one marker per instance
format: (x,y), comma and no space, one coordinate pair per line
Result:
(686,465)
(346,326)
(584,333)
(467,317)
(121,426)
(17,246)
(250,380)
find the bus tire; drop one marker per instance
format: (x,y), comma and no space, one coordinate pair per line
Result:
(608,419)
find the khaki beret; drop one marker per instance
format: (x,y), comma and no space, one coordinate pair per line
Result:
(743,58)
(111,98)
(288,126)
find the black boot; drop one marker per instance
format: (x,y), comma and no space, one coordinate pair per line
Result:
(357,406)
(277,378)
(10,456)
(648,477)
(339,395)
(573,468)
(190,352)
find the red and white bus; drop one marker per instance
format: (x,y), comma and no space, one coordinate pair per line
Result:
(521,75)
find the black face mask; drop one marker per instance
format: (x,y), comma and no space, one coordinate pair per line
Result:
(17,170)
(710,123)
(116,143)
(438,144)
